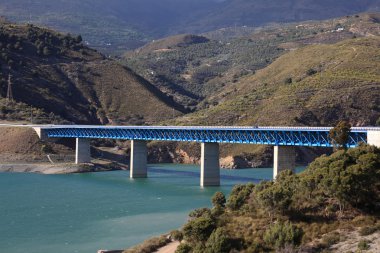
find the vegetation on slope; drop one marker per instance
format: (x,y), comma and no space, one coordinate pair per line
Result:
(192,72)
(314,85)
(335,195)
(56,73)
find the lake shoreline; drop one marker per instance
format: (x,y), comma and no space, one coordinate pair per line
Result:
(66,168)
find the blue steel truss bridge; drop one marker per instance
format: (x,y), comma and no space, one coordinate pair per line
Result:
(284,140)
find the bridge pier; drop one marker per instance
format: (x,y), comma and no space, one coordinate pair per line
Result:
(138,164)
(210,169)
(82,151)
(284,158)
(373,138)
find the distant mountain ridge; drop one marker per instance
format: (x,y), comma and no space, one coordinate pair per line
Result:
(119,25)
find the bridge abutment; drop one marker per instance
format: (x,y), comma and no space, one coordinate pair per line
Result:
(210,169)
(373,138)
(284,158)
(138,164)
(82,151)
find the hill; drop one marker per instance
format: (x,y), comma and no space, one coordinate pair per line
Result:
(257,13)
(171,43)
(56,74)
(117,25)
(195,71)
(316,85)
(332,206)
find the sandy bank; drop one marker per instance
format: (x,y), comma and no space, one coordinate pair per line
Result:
(57,168)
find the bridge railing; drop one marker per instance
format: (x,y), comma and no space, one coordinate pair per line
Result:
(280,137)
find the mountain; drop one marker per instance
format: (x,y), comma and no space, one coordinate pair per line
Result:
(117,25)
(56,74)
(316,85)
(259,12)
(192,71)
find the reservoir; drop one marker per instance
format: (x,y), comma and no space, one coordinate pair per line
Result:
(86,212)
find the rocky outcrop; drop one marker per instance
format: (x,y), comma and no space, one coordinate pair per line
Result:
(189,154)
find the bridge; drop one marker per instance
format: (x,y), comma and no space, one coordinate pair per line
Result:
(284,140)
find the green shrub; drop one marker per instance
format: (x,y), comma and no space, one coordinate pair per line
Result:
(218,242)
(281,234)
(348,177)
(276,197)
(288,80)
(176,235)
(239,196)
(199,212)
(364,245)
(311,72)
(199,229)
(218,200)
(183,248)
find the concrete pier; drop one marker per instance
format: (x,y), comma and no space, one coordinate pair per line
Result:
(210,169)
(138,165)
(82,151)
(373,138)
(284,158)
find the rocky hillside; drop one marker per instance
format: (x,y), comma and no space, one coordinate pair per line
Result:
(56,73)
(314,85)
(193,72)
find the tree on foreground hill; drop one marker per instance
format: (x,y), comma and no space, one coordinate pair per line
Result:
(340,134)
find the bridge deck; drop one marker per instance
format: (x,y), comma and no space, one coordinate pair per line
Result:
(279,136)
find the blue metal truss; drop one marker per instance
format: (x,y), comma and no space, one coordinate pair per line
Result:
(311,138)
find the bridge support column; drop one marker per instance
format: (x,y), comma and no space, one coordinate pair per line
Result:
(373,138)
(82,151)
(138,165)
(284,158)
(210,169)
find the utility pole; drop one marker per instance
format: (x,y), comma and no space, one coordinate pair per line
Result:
(9,91)
(31,114)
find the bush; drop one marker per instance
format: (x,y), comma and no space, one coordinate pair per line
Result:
(276,197)
(176,235)
(239,196)
(183,248)
(200,212)
(281,234)
(218,242)
(364,245)
(311,72)
(218,200)
(331,239)
(348,177)
(288,80)
(199,229)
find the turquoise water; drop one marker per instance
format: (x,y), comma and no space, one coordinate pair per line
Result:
(86,212)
